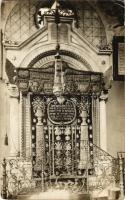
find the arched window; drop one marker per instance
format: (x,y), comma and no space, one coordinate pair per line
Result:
(20,23)
(90,25)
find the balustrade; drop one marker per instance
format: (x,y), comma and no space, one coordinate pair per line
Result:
(18,179)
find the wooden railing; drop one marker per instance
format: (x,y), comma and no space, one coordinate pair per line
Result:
(121,159)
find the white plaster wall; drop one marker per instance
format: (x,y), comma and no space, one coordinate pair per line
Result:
(116,118)
(4,119)
(4,125)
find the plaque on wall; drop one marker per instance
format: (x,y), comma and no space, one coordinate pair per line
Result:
(119,58)
(61,113)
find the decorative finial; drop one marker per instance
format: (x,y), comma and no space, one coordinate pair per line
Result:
(55,5)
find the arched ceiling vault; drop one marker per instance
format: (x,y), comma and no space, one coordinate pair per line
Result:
(21,22)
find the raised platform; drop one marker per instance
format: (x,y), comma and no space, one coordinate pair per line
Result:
(55,195)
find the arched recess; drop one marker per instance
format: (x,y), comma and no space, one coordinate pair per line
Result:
(72,59)
(74,56)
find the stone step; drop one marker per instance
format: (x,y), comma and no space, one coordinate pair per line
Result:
(101,198)
(45,196)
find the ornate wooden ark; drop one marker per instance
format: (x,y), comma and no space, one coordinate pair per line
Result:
(61,102)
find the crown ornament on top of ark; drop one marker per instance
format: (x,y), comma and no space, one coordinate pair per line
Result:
(46,11)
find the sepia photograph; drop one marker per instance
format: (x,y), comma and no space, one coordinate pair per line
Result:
(62,99)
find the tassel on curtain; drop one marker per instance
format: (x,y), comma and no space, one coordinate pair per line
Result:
(6,140)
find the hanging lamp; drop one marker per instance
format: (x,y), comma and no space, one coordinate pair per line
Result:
(59,86)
